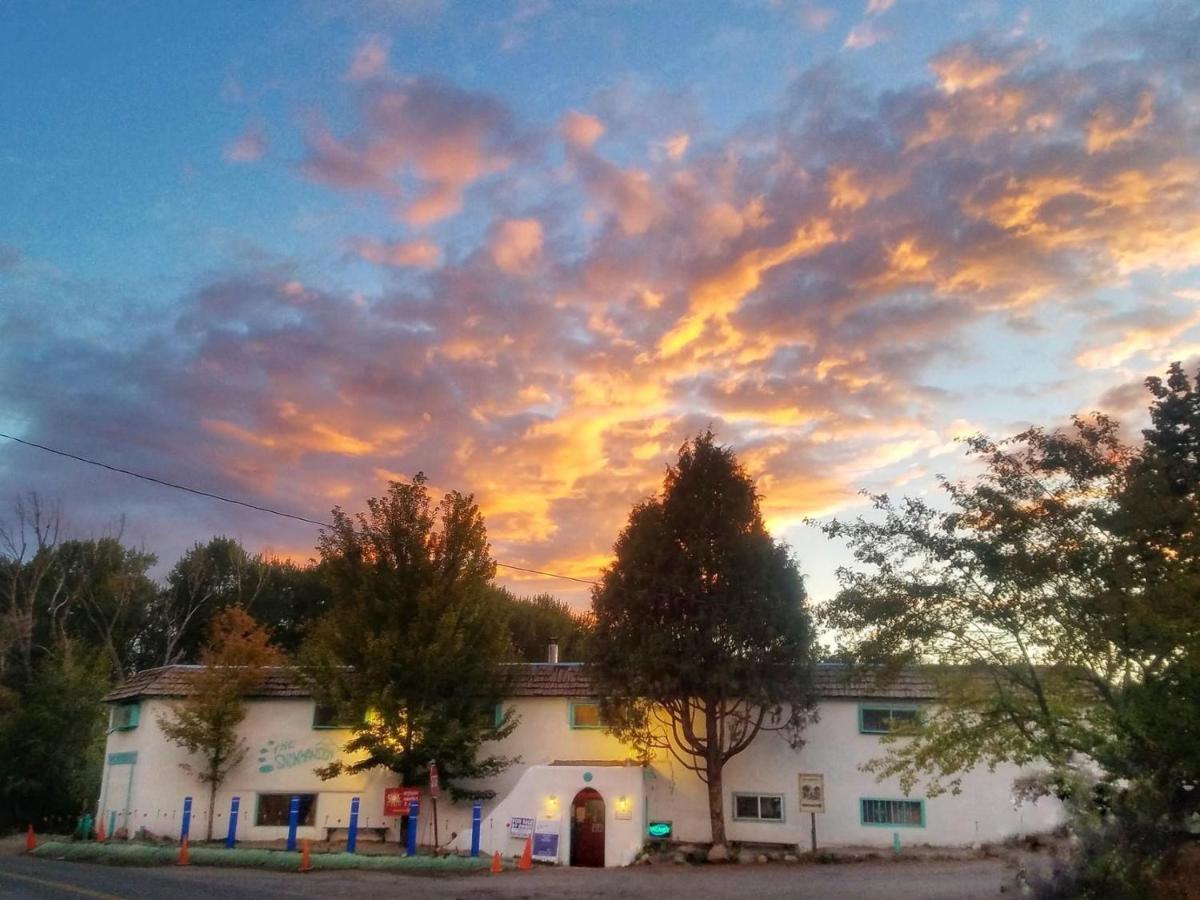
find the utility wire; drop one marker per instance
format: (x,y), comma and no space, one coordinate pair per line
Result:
(247,505)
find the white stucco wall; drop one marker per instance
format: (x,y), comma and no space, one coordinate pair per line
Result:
(665,790)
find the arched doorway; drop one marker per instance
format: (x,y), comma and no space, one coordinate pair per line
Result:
(587,829)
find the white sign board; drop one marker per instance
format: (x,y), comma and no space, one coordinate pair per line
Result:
(520,827)
(545,839)
(812,793)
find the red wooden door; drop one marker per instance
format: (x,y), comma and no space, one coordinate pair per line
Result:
(587,829)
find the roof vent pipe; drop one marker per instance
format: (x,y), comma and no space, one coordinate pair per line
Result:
(552,652)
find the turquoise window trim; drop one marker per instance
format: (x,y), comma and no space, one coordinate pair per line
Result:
(782,807)
(126,716)
(862,819)
(889,707)
(498,715)
(571,715)
(128,758)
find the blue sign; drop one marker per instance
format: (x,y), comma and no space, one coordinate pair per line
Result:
(545,845)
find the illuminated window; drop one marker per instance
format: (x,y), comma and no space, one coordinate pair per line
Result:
(586,714)
(893,813)
(758,807)
(875,719)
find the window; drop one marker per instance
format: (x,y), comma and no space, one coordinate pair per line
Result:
(902,813)
(586,714)
(274,809)
(329,717)
(758,807)
(125,717)
(498,715)
(882,719)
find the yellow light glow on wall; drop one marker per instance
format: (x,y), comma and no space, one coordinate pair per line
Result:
(624,807)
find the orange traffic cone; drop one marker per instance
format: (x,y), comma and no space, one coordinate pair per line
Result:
(497,866)
(30,840)
(100,836)
(526,862)
(183,852)
(305,856)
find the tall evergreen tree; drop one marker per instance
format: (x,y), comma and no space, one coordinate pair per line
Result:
(702,636)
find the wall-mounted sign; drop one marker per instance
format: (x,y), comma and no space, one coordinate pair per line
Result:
(812,793)
(397,800)
(545,839)
(659,831)
(520,826)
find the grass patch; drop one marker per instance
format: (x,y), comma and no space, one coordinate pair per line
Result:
(133,854)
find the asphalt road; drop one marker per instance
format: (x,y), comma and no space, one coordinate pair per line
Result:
(24,877)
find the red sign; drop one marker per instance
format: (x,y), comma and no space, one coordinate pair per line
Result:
(433,780)
(397,800)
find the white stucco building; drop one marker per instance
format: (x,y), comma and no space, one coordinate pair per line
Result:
(573,779)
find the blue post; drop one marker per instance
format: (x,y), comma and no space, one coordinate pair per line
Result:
(231,837)
(352,837)
(414,810)
(896,841)
(112,824)
(186,825)
(476,820)
(293,822)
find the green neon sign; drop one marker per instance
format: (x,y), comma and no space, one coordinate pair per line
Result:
(659,830)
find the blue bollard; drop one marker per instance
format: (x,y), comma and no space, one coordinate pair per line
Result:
(293,822)
(352,837)
(476,821)
(186,825)
(231,837)
(414,810)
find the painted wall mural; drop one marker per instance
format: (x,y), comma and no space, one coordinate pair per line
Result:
(277,755)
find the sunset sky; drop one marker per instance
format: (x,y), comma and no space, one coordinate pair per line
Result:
(287,251)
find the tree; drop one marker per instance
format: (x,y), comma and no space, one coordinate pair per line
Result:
(206,579)
(411,647)
(206,722)
(1059,588)
(702,637)
(534,621)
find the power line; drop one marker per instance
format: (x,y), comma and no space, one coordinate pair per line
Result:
(266,509)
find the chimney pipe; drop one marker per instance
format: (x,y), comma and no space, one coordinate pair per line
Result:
(552,651)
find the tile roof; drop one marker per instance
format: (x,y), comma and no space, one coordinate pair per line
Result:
(832,680)
(177,681)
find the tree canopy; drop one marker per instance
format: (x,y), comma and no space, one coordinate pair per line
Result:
(205,723)
(702,636)
(410,650)
(1061,585)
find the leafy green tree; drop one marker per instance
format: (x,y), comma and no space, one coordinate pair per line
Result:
(52,739)
(412,645)
(291,599)
(107,595)
(534,621)
(206,579)
(1060,588)
(702,636)
(205,723)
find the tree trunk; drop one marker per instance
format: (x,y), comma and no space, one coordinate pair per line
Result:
(712,771)
(716,802)
(212,806)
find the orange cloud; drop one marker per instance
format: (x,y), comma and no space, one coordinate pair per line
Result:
(516,245)
(422,253)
